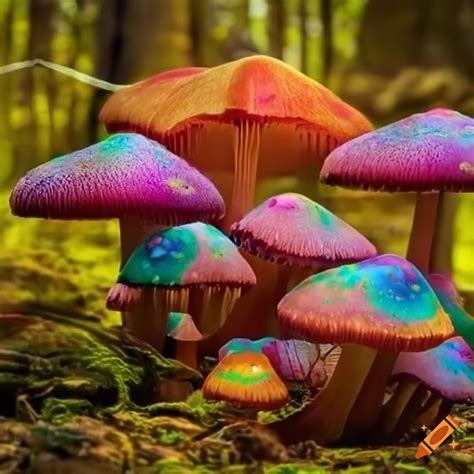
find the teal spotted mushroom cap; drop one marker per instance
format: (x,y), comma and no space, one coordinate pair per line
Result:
(291,229)
(194,254)
(125,175)
(383,302)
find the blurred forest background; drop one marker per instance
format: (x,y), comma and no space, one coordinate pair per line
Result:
(387,58)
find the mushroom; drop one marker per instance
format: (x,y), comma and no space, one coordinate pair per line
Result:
(380,304)
(230,121)
(453,304)
(192,268)
(447,371)
(427,153)
(181,327)
(247,380)
(125,176)
(293,360)
(300,235)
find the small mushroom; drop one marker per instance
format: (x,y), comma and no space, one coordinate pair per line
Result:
(192,268)
(453,304)
(247,380)
(447,371)
(426,153)
(380,304)
(293,360)
(181,327)
(299,235)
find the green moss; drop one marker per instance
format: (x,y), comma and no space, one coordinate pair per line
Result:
(49,358)
(169,437)
(60,411)
(300,396)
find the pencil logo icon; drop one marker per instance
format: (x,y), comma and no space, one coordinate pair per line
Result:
(444,429)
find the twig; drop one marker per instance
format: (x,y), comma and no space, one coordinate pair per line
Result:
(67,71)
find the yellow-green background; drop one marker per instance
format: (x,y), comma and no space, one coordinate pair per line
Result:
(388,59)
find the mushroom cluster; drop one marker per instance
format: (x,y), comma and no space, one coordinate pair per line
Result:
(376,339)
(429,383)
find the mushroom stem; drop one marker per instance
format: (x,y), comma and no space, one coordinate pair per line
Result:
(288,277)
(145,322)
(242,322)
(441,252)
(133,231)
(187,353)
(430,411)
(367,407)
(179,390)
(297,275)
(246,150)
(409,414)
(211,307)
(394,408)
(423,230)
(323,420)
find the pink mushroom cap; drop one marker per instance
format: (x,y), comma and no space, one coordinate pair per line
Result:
(448,368)
(431,151)
(122,176)
(294,230)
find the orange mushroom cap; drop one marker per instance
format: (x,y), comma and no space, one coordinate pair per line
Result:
(259,88)
(248,380)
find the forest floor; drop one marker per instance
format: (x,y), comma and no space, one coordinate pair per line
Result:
(75,392)
(76,398)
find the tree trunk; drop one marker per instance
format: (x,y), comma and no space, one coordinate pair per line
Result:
(160,27)
(327,38)
(303,14)
(199,32)
(416,33)
(110,43)
(276,27)
(6,168)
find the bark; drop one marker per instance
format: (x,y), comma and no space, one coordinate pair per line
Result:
(327,38)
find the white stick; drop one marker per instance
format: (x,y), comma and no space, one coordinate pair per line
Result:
(80,76)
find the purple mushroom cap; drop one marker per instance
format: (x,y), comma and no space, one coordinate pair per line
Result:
(431,151)
(125,175)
